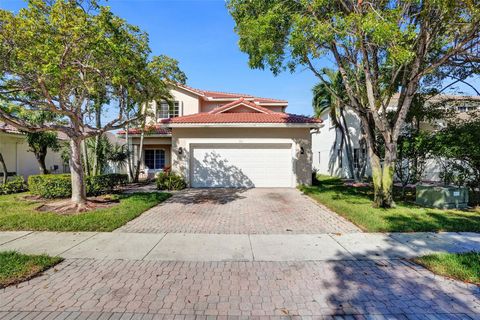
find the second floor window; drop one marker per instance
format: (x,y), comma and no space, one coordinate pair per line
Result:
(164,110)
(466,108)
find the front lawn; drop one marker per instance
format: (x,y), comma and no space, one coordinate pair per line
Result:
(17,213)
(355,204)
(459,266)
(16,267)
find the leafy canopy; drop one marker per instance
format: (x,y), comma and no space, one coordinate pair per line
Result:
(71,58)
(383,43)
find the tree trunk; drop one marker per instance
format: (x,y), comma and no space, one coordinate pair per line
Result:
(388,174)
(98,124)
(139,157)
(348,146)
(85,157)
(382,174)
(377,178)
(41,162)
(4,169)
(130,155)
(140,147)
(79,195)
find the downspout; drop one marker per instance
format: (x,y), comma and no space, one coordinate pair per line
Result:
(16,158)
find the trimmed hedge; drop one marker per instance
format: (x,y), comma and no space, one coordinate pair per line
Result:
(170,181)
(59,185)
(14,185)
(105,182)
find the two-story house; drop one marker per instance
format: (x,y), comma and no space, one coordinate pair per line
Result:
(329,151)
(218,139)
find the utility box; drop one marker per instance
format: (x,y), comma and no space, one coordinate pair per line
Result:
(442,197)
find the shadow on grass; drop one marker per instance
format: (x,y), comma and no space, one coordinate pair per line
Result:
(355,204)
(435,221)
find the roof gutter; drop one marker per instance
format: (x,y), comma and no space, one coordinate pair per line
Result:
(244,125)
(149,135)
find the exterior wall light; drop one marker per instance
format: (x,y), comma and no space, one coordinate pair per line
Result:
(302,151)
(180,150)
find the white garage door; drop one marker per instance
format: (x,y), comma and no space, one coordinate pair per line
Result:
(241,165)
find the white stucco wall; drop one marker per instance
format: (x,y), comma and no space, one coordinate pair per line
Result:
(326,142)
(18,159)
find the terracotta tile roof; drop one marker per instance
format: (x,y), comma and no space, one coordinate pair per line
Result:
(229,95)
(4,127)
(240,102)
(149,130)
(257,117)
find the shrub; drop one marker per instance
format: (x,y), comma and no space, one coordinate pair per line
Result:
(105,182)
(59,185)
(170,181)
(50,185)
(14,185)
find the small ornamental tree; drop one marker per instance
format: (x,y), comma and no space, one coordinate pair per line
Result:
(70,58)
(380,48)
(39,143)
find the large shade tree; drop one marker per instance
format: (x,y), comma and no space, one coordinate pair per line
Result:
(72,58)
(379,47)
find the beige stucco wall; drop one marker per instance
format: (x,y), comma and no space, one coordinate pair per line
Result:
(18,159)
(151,140)
(189,104)
(276,108)
(299,137)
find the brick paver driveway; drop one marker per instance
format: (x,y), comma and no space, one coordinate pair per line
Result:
(116,289)
(241,211)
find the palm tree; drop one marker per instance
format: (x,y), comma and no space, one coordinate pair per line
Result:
(328,96)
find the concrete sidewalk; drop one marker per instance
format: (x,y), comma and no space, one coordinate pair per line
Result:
(231,247)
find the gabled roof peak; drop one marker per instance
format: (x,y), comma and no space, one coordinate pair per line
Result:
(255,108)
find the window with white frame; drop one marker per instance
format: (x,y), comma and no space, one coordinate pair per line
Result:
(155,159)
(466,108)
(164,110)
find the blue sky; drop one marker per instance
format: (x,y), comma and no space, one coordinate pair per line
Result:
(199,34)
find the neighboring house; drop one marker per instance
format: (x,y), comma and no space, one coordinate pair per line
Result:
(329,158)
(217,139)
(19,160)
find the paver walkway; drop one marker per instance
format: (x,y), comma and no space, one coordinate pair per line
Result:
(94,289)
(239,211)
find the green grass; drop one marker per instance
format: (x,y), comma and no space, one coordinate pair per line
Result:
(16,213)
(460,266)
(16,267)
(355,204)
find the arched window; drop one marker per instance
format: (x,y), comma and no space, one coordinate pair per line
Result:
(155,159)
